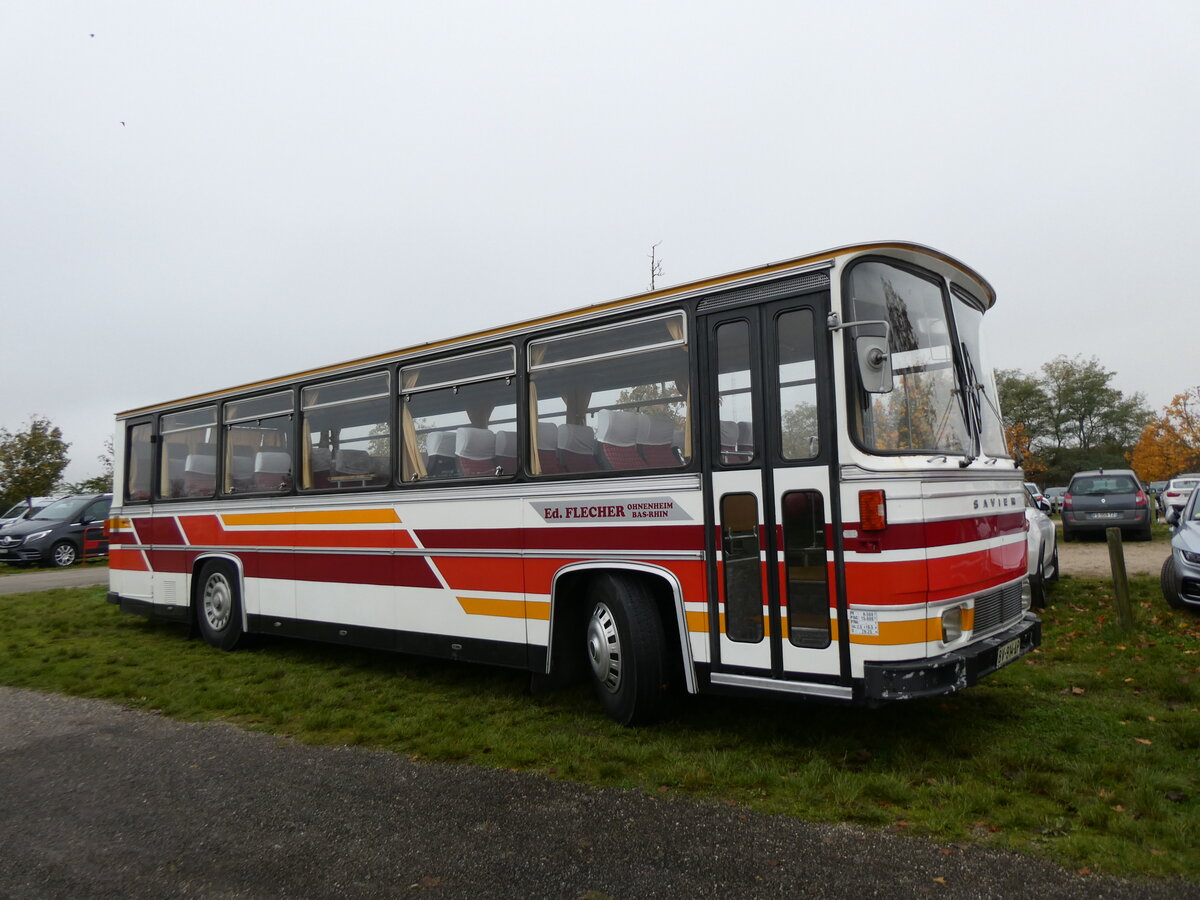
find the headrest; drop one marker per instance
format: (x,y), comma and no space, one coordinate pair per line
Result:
(506,443)
(576,439)
(655,430)
(547,436)
(617,427)
(274,462)
(475,443)
(200,464)
(440,443)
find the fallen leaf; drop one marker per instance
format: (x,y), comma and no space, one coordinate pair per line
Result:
(939,881)
(1145,741)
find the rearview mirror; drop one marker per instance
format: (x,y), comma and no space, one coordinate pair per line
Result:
(874,364)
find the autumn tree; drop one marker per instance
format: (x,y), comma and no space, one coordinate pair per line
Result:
(1170,443)
(31,461)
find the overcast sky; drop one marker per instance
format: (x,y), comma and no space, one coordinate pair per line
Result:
(199,194)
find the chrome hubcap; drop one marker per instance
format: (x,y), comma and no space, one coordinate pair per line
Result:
(218,601)
(64,555)
(604,648)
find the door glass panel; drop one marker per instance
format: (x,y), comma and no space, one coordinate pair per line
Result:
(797,384)
(743,571)
(803,518)
(734,388)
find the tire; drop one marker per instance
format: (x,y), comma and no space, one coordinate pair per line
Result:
(1068,536)
(1166,580)
(63,554)
(219,606)
(625,650)
(1053,576)
(1146,534)
(1037,587)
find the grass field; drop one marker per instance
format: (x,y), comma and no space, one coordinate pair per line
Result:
(1084,752)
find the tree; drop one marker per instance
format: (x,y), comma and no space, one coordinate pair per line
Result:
(1025,406)
(97,484)
(31,461)
(1170,443)
(1085,411)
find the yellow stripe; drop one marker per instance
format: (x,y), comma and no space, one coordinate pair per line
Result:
(315,517)
(506,609)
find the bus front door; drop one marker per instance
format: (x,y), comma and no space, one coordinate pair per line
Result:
(773,610)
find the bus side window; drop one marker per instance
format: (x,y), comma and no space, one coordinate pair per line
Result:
(139,462)
(611,399)
(346,435)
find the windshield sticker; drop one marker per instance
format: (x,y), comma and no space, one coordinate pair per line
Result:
(616,510)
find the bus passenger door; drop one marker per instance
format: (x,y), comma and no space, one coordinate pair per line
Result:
(772,607)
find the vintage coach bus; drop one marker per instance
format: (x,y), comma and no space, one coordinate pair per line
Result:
(787,480)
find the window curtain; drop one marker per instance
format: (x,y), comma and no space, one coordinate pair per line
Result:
(413,467)
(683,384)
(536,355)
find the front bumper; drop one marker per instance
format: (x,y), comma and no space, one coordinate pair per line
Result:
(21,554)
(1186,582)
(953,671)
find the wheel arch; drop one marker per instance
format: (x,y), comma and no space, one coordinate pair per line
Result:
(571,582)
(240,573)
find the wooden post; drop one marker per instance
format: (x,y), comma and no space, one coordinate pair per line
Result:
(1116,558)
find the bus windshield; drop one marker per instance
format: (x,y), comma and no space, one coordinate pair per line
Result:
(923,412)
(984,408)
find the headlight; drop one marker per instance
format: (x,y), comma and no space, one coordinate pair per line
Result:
(951,624)
(1026,596)
(36,536)
(1191,557)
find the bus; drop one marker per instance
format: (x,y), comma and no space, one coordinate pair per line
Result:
(789,480)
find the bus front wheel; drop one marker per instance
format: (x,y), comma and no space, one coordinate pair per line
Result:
(219,606)
(626,650)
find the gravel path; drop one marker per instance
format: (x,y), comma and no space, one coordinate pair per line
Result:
(1088,558)
(100,801)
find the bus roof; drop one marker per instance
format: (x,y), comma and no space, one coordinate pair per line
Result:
(663,295)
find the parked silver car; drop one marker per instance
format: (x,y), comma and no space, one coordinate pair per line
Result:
(1055,496)
(1099,500)
(1180,576)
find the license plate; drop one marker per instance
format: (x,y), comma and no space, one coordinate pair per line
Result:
(1008,652)
(1112,515)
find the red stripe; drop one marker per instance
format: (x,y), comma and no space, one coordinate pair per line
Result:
(614,537)
(918,535)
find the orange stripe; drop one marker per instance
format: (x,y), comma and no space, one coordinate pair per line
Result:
(506,609)
(315,517)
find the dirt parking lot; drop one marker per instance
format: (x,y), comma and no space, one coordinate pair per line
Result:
(1089,558)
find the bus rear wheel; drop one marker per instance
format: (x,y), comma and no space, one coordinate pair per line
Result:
(219,606)
(626,650)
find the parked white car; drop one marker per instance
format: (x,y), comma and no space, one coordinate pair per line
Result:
(22,509)
(1175,494)
(1042,549)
